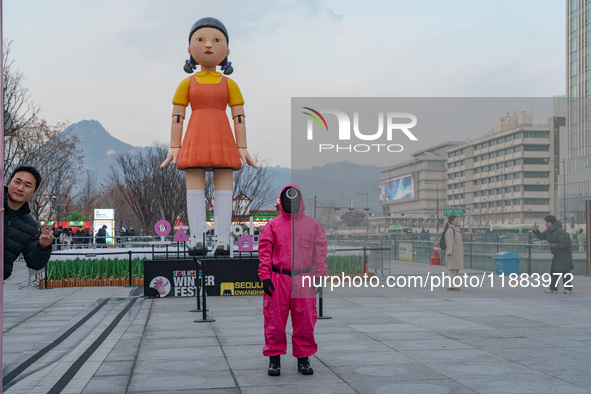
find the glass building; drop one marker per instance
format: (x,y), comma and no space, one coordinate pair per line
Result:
(576,162)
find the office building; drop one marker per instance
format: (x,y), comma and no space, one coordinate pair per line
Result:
(508,176)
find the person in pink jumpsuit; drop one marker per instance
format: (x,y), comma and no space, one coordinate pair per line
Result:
(292,248)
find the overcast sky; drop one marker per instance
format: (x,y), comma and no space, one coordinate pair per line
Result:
(119,62)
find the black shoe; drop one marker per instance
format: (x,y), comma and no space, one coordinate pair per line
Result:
(198,250)
(274,366)
(222,250)
(304,366)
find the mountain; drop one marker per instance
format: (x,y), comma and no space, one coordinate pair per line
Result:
(340,184)
(334,185)
(98,147)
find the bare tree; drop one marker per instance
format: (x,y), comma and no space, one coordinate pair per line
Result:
(353,218)
(254,183)
(54,154)
(89,194)
(112,197)
(153,193)
(19,109)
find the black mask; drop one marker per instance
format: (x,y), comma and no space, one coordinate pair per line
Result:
(290,200)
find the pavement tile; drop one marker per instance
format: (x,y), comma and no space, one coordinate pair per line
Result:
(378,341)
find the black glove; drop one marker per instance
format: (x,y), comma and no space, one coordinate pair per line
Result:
(268,286)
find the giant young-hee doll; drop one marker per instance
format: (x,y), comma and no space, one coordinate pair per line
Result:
(208,144)
(292,249)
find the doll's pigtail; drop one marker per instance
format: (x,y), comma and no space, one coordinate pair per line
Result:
(190,65)
(227,68)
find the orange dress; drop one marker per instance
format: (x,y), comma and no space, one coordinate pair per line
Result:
(209,142)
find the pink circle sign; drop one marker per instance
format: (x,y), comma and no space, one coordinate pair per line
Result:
(158,228)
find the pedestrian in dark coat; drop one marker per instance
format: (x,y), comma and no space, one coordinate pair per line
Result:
(561,247)
(21,232)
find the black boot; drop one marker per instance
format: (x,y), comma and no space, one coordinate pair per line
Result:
(198,250)
(304,366)
(222,250)
(274,366)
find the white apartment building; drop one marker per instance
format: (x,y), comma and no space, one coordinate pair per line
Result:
(508,176)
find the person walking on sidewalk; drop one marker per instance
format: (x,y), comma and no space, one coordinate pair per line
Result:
(454,252)
(561,247)
(292,248)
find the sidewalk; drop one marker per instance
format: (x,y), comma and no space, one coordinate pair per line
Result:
(379,340)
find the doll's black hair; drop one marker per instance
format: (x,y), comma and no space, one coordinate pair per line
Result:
(191,64)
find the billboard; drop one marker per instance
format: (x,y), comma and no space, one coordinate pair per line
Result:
(397,189)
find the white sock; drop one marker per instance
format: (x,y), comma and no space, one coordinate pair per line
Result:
(223,214)
(196,214)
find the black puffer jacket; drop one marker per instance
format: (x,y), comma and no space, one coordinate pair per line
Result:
(21,235)
(560,246)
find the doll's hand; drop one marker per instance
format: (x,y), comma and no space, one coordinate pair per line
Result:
(173,154)
(245,157)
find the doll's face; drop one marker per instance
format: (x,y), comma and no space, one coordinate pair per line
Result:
(208,46)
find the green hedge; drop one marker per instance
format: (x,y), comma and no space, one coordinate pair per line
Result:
(347,264)
(94,269)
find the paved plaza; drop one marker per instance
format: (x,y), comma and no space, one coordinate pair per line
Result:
(380,340)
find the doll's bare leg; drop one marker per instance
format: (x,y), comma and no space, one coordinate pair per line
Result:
(196,206)
(223,180)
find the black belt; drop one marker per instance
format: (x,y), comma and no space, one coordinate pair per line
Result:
(291,273)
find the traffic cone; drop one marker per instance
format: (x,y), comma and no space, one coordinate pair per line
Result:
(435,260)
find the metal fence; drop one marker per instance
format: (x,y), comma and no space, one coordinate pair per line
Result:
(479,249)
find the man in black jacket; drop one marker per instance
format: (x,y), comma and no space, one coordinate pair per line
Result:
(21,232)
(561,247)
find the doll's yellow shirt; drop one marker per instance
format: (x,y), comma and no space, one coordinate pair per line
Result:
(181,96)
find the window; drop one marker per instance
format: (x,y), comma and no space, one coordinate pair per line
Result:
(477,182)
(535,134)
(536,174)
(534,160)
(536,188)
(508,138)
(517,136)
(536,201)
(517,149)
(476,194)
(517,162)
(535,148)
(508,177)
(517,188)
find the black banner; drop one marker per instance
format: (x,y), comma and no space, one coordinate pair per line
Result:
(178,278)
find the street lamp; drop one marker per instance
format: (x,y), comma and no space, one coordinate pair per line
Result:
(564,189)
(436,183)
(366,210)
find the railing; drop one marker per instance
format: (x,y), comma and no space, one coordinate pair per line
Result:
(479,249)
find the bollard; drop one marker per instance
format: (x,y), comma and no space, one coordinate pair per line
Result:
(129,267)
(204,295)
(320,306)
